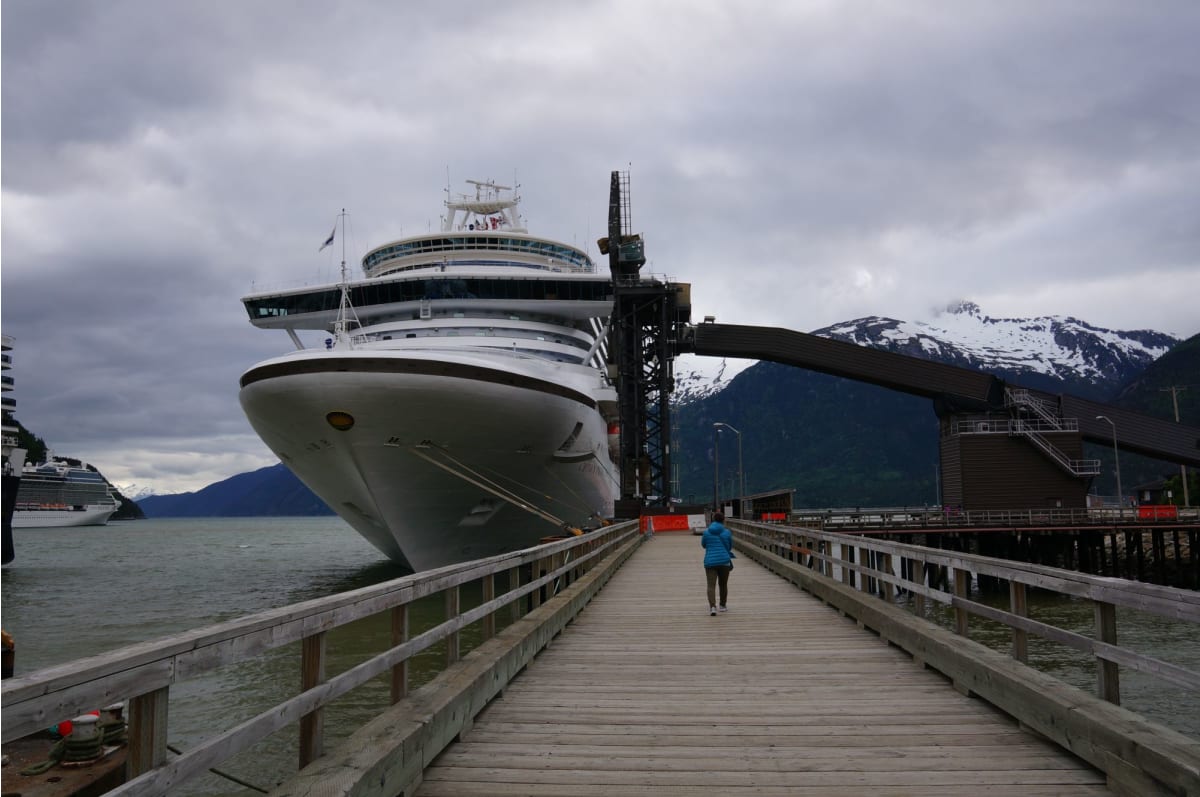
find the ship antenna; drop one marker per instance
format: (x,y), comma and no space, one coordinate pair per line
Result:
(346,314)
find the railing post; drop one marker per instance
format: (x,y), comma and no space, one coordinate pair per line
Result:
(885,565)
(399,637)
(452,601)
(917,576)
(514,583)
(556,561)
(147,733)
(312,673)
(865,582)
(1019,606)
(489,593)
(569,557)
(962,581)
(535,572)
(1108,684)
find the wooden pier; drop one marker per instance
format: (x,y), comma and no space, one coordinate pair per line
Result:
(598,670)
(1159,544)
(646,694)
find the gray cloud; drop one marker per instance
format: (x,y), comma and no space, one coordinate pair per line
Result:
(799,163)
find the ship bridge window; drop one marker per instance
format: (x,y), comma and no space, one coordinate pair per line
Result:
(565,254)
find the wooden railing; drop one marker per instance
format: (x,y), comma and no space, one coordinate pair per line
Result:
(917,517)
(144,673)
(862,577)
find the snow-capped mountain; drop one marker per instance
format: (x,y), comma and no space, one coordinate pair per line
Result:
(1034,351)
(135,492)
(1066,349)
(700,377)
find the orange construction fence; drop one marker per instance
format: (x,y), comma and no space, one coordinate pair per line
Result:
(1158,512)
(672,522)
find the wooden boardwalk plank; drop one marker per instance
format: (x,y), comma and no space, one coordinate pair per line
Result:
(645,693)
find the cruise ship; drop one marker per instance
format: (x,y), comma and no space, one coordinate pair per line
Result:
(59,493)
(458,405)
(12,458)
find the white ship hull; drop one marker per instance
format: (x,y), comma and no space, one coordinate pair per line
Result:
(445,449)
(53,518)
(460,407)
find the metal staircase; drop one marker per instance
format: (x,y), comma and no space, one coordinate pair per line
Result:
(1019,400)
(1023,399)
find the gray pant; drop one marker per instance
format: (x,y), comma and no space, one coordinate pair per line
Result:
(718,574)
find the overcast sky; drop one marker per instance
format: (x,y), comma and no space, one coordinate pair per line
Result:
(799,163)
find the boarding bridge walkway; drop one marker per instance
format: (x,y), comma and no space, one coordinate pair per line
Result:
(647,694)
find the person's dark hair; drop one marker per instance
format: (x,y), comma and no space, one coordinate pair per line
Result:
(718,517)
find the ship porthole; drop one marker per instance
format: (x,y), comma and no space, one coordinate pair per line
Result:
(342,421)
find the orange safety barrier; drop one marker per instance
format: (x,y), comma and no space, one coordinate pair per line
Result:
(664,523)
(1158,512)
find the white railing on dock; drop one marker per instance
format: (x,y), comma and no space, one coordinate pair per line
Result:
(862,577)
(144,673)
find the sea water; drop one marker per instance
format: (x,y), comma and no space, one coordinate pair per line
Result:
(77,592)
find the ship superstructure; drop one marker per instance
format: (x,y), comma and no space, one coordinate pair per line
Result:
(459,405)
(61,493)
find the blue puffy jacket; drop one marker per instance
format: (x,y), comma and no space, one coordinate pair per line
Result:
(718,545)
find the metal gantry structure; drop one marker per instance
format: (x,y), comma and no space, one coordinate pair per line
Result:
(641,351)
(1000,446)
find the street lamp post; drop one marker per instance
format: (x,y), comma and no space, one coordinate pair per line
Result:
(741,473)
(1117,458)
(716,470)
(1187,501)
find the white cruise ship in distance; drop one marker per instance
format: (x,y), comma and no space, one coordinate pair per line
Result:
(460,406)
(61,494)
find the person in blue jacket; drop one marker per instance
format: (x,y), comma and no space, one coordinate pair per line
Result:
(718,561)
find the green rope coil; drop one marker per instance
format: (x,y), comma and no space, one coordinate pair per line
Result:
(113,733)
(56,755)
(67,749)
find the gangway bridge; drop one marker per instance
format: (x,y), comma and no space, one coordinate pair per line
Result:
(1001,445)
(598,670)
(954,388)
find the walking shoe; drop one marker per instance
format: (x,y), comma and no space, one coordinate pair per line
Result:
(712,611)
(723,609)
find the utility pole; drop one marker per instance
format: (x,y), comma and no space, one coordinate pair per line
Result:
(1182,468)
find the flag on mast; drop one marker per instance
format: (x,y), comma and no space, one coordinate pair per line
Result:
(329,240)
